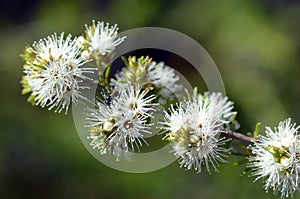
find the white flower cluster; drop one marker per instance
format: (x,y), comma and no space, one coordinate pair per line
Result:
(129,105)
(118,126)
(102,38)
(54,66)
(276,158)
(53,70)
(194,127)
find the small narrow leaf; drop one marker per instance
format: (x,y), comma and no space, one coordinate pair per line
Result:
(125,60)
(195,92)
(107,74)
(257,127)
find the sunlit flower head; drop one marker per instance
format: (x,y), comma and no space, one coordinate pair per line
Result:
(138,101)
(119,126)
(102,38)
(53,70)
(276,159)
(193,127)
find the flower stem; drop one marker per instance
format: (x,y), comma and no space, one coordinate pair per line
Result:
(238,136)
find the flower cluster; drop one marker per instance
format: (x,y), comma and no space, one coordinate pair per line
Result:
(118,126)
(276,158)
(129,107)
(101,39)
(53,70)
(198,128)
(99,43)
(54,66)
(193,128)
(145,72)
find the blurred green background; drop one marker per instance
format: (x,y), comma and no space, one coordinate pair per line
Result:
(254,43)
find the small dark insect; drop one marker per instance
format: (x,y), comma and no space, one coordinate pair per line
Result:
(109,96)
(108,99)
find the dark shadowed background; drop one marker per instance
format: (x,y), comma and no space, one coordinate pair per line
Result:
(254,43)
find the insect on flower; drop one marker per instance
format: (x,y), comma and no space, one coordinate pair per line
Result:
(118,127)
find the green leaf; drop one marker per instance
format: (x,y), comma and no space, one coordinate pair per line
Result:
(257,127)
(195,92)
(125,60)
(107,74)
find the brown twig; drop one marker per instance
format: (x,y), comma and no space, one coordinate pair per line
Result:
(238,136)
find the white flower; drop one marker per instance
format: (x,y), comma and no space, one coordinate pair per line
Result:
(221,107)
(176,119)
(53,71)
(276,159)
(144,71)
(194,127)
(102,38)
(164,77)
(119,126)
(137,101)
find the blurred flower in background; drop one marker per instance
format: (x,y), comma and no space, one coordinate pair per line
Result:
(255,44)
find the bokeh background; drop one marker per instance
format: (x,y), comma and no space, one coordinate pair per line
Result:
(254,43)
